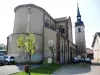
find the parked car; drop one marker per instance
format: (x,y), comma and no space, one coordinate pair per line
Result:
(87,60)
(75,60)
(9,59)
(2,61)
(82,60)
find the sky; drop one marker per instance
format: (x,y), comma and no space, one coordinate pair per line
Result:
(89,10)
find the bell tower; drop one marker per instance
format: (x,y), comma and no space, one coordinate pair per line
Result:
(80,35)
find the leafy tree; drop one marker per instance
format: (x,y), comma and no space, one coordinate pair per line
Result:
(2,46)
(29,44)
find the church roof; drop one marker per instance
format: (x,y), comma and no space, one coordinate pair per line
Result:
(60,19)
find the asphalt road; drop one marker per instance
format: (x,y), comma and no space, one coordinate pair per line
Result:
(9,69)
(78,70)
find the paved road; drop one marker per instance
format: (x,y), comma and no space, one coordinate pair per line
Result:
(78,70)
(9,69)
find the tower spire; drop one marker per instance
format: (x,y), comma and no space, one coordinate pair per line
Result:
(78,11)
(79,22)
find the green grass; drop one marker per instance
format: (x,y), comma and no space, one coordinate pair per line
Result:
(42,70)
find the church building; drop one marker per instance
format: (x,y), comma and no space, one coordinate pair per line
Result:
(38,21)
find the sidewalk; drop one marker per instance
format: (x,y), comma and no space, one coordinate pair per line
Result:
(78,69)
(73,69)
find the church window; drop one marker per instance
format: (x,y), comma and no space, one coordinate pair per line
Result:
(61,29)
(79,29)
(52,26)
(47,23)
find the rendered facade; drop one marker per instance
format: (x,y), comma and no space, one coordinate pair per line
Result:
(96,46)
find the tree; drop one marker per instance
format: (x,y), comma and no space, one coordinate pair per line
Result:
(2,46)
(29,44)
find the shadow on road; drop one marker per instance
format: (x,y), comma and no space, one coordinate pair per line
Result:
(20,66)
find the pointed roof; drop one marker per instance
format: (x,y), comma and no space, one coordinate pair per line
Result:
(78,11)
(95,36)
(79,22)
(98,33)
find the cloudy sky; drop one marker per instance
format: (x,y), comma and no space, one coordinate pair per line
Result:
(89,10)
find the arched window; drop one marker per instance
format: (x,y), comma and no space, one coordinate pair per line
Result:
(47,23)
(61,29)
(52,26)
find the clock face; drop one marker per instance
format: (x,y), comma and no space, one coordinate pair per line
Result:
(79,17)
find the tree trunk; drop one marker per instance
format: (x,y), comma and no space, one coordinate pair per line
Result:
(53,56)
(29,63)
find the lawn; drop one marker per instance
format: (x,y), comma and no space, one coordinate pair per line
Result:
(42,70)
